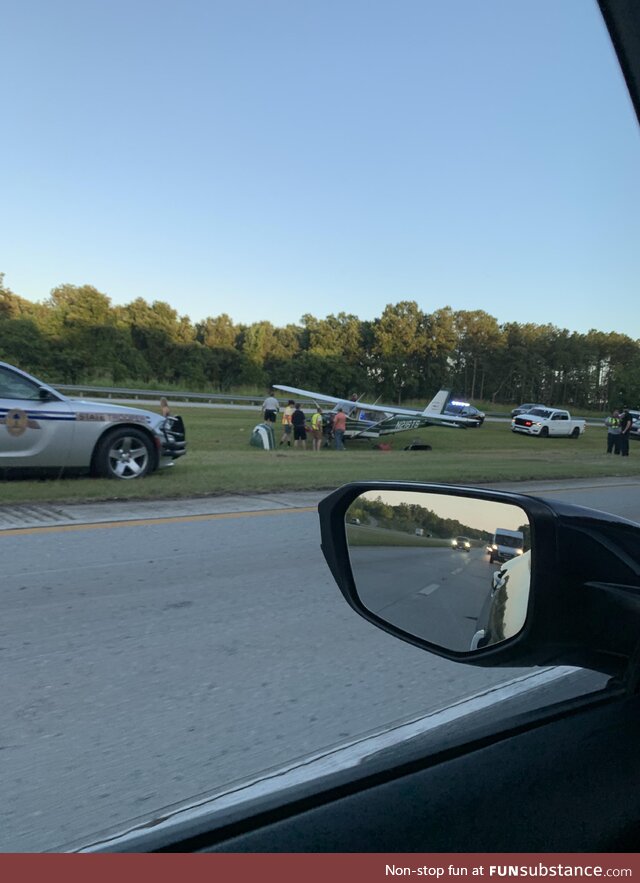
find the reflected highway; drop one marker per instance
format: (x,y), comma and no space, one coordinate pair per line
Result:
(437,593)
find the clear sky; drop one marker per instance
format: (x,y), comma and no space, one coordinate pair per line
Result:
(268,158)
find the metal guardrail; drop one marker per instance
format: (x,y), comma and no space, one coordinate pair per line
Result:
(171,395)
(119,392)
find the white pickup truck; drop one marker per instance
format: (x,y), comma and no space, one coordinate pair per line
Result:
(547,421)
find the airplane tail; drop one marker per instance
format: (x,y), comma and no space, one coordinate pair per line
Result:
(438,403)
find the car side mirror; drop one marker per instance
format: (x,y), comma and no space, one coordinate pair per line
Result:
(486,577)
(44,394)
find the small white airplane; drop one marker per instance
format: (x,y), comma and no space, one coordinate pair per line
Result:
(366,420)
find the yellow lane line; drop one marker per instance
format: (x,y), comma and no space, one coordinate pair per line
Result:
(147,522)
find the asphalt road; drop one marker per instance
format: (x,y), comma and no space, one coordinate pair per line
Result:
(146,664)
(435,593)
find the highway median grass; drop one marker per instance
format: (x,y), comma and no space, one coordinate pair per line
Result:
(221,461)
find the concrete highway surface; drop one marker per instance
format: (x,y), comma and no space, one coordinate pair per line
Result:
(434,593)
(147,663)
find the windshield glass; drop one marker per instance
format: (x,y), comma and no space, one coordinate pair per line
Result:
(14,386)
(511,542)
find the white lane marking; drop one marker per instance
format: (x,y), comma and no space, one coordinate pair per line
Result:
(428,589)
(323,763)
(458,570)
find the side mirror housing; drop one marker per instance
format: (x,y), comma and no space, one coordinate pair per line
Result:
(544,583)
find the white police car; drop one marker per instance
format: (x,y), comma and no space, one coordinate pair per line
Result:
(42,429)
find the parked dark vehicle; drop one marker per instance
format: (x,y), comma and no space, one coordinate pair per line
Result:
(464,409)
(525,409)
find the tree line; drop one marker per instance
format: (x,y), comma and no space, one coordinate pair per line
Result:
(77,336)
(406,517)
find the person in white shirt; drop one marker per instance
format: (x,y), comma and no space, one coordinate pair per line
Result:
(270,408)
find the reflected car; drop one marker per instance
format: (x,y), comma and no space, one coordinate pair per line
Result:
(462,544)
(41,429)
(505,612)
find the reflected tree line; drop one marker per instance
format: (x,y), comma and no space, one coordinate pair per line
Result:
(407,517)
(78,336)
(412,519)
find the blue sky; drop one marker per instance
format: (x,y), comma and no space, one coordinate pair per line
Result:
(268,159)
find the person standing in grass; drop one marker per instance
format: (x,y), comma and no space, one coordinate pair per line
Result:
(287,425)
(613,432)
(270,408)
(299,429)
(339,427)
(626,422)
(316,429)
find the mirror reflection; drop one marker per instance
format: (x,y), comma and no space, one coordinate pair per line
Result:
(451,570)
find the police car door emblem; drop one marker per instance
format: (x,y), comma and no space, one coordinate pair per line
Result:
(16,421)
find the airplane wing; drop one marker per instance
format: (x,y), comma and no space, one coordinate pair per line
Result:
(314,395)
(348,403)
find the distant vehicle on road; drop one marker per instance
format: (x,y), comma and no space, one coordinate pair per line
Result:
(525,409)
(462,544)
(42,429)
(547,421)
(506,544)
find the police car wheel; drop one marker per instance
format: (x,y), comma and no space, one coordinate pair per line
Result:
(125,453)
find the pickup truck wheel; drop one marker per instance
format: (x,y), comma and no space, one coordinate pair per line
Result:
(576,433)
(544,432)
(125,453)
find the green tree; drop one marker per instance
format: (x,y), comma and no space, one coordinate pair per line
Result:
(399,347)
(339,335)
(22,343)
(71,306)
(218,331)
(479,340)
(258,341)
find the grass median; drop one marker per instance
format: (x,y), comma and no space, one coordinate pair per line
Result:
(220,460)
